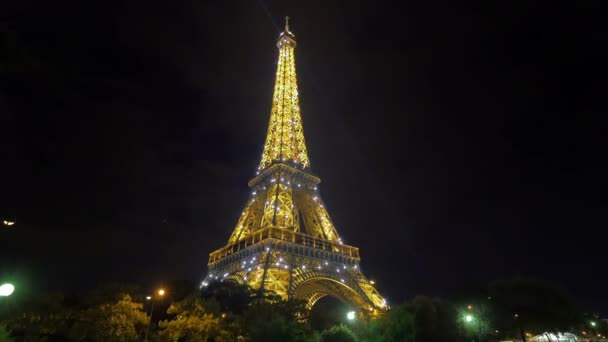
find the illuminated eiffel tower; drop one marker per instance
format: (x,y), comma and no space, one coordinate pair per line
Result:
(285,241)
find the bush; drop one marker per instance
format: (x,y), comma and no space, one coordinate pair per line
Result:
(338,333)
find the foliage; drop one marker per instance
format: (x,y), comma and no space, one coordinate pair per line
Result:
(192,321)
(231,297)
(272,319)
(277,329)
(230,312)
(120,321)
(338,333)
(539,307)
(434,320)
(37,316)
(5,334)
(394,325)
(479,325)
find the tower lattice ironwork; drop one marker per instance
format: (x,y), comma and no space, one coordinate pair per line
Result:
(284,240)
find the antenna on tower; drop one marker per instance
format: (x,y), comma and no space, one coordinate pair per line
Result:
(287,23)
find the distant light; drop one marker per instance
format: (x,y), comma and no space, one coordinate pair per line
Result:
(592,324)
(372,282)
(161,292)
(148,297)
(8,223)
(468,318)
(6,290)
(470,307)
(350,315)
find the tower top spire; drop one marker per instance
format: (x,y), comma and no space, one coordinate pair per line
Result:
(285,139)
(286,37)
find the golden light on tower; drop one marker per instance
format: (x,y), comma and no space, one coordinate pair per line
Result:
(284,240)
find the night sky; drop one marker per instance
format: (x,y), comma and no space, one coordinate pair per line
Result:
(456,144)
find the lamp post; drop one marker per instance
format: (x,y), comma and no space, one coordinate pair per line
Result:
(161,293)
(594,333)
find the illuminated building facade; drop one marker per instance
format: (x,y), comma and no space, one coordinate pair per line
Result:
(284,240)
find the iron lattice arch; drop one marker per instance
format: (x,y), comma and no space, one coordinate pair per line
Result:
(287,264)
(285,240)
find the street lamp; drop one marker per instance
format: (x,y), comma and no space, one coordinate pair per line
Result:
(350,315)
(161,293)
(6,290)
(468,318)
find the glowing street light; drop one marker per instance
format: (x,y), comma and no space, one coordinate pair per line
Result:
(8,223)
(468,318)
(6,290)
(592,324)
(350,315)
(161,293)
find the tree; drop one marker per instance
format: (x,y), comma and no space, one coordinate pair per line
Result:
(123,320)
(395,325)
(434,320)
(192,321)
(272,319)
(277,329)
(38,316)
(338,333)
(231,296)
(5,334)
(531,305)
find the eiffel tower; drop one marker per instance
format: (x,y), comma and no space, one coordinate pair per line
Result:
(284,240)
